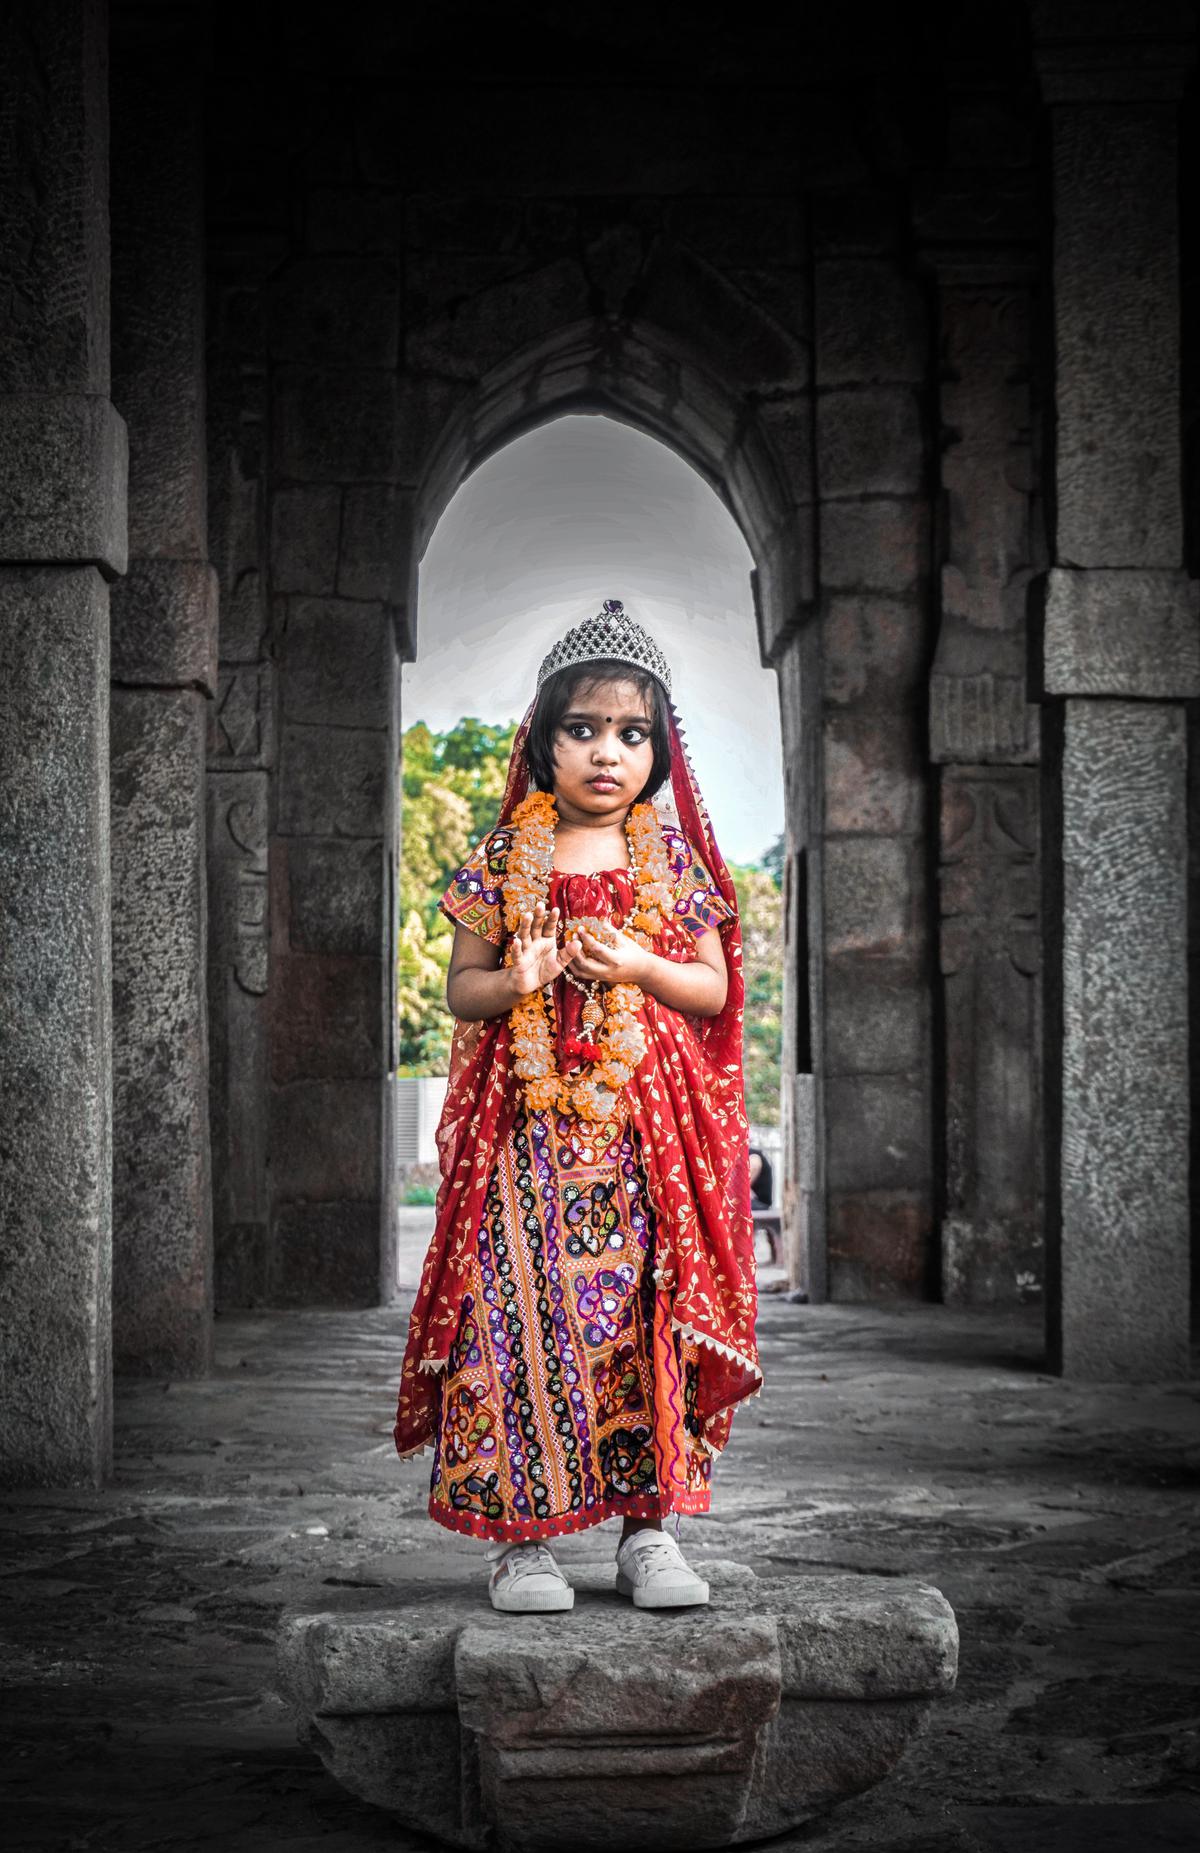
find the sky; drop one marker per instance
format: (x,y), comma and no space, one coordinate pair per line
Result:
(580,510)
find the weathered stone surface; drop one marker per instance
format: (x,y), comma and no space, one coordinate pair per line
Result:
(243,619)
(55,1015)
(325,1254)
(704,309)
(741,231)
(54,251)
(162,1266)
(335,895)
(326,1017)
(1134,632)
(788,426)
(1123,1255)
(331,782)
(322,310)
(869,442)
(241,722)
(424,408)
(992,1262)
(324,1141)
(879,1244)
(334,666)
(986,463)
(870,324)
(881,545)
(236,379)
(983,718)
(876,1017)
(869,644)
(64,461)
(488,325)
(878,1131)
(734,1721)
(978,706)
(436,282)
(375,551)
(1116,336)
(164,624)
(238,971)
(305,526)
(990,960)
(335,426)
(874,779)
(158,255)
(873,904)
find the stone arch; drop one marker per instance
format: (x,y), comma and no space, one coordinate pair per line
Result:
(755,453)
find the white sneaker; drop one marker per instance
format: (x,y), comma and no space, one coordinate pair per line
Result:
(651,1568)
(527,1580)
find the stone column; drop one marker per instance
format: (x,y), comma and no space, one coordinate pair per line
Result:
(241,753)
(62,517)
(163,674)
(874,989)
(978,236)
(1121,654)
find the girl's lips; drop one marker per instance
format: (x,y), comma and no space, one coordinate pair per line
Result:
(603,784)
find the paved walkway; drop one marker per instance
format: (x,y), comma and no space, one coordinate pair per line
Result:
(1062,1522)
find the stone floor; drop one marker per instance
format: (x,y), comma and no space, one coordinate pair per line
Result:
(1061,1521)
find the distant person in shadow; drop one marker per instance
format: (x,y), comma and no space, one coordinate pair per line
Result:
(762,1196)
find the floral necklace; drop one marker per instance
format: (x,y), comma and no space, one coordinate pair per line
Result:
(595,1093)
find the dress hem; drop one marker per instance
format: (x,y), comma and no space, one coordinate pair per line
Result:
(520,1531)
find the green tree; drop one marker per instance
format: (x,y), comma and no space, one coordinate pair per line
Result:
(451,785)
(760,904)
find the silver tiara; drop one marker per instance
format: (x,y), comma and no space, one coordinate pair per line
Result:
(611,633)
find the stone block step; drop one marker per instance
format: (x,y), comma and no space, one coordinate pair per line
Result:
(609,1726)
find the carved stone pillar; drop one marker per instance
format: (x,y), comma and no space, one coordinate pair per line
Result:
(241,751)
(164,674)
(983,733)
(62,537)
(1121,653)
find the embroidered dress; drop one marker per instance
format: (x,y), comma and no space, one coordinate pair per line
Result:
(584,1324)
(567,1397)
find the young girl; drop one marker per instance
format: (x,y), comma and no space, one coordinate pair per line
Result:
(585,1319)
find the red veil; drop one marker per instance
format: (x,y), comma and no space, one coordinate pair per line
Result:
(687,1107)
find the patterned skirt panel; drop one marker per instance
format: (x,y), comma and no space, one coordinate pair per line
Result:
(567,1398)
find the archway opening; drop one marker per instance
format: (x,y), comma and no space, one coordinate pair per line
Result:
(579,508)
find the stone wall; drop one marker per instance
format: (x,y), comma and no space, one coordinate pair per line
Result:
(839,312)
(395,302)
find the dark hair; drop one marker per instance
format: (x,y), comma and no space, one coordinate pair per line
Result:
(557,695)
(762,1189)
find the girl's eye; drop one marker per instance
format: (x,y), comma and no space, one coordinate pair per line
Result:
(638,735)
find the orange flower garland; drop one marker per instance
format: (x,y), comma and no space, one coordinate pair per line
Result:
(595,1094)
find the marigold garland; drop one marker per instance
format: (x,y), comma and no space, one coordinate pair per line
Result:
(594,1094)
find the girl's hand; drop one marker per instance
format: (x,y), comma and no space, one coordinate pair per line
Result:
(537,956)
(618,960)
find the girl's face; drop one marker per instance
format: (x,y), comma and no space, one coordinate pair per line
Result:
(603,753)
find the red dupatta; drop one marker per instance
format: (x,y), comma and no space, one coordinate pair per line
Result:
(687,1107)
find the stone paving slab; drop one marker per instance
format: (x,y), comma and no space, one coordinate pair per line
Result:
(1060,1521)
